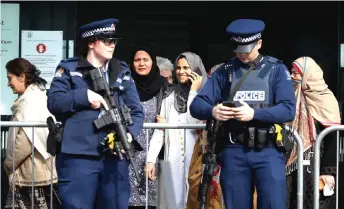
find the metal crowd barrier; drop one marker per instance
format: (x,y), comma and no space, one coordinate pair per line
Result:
(299,143)
(317,154)
(33,125)
(165,126)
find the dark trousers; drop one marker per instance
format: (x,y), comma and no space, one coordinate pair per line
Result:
(86,181)
(241,166)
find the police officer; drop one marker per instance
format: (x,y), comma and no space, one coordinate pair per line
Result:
(85,174)
(248,152)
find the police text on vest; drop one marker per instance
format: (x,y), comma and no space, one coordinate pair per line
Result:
(249,96)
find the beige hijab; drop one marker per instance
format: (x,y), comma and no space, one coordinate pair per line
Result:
(314,101)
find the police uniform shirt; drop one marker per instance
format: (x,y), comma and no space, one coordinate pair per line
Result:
(281,86)
(68,101)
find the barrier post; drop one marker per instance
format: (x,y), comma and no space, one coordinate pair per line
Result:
(299,167)
(318,141)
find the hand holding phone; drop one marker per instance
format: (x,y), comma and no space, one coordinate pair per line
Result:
(196,81)
(228,104)
(221,111)
(244,112)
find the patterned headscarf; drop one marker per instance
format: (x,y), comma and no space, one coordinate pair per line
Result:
(314,101)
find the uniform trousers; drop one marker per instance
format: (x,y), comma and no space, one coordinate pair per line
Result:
(86,181)
(241,166)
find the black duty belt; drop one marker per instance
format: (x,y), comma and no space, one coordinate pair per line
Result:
(252,138)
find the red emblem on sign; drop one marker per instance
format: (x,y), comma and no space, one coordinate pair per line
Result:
(41,48)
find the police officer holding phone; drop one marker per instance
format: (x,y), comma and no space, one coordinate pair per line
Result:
(263,96)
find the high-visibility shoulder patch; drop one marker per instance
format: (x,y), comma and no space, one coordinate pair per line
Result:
(59,72)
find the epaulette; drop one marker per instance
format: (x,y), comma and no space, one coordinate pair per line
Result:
(233,58)
(273,60)
(70,64)
(124,64)
(72,59)
(124,68)
(230,62)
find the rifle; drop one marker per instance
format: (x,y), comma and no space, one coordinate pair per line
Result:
(209,160)
(114,120)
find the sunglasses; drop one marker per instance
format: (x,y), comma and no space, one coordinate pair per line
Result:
(108,41)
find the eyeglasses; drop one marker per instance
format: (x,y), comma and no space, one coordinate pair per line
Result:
(108,41)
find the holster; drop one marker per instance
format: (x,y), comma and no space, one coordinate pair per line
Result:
(257,137)
(251,136)
(262,137)
(285,144)
(54,139)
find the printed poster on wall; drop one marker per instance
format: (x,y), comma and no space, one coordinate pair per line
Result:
(9,50)
(44,49)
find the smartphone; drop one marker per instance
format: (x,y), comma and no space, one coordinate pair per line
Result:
(198,71)
(228,104)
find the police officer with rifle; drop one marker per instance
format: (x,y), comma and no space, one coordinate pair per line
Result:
(95,98)
(113,119)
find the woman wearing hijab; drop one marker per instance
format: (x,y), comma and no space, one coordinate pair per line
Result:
(151,87)
(191,76)
(317,109)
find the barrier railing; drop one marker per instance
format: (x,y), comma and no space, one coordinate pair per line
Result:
(317,154)
(173,126)
(299,143)
(33,125)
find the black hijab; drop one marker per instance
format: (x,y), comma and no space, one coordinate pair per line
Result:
(149,85)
